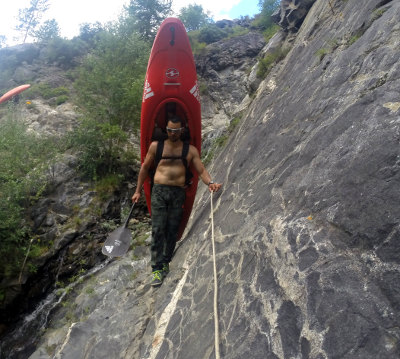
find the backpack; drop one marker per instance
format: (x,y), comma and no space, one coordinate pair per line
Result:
(159,157)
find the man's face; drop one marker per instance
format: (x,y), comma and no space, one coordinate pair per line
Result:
(174,131)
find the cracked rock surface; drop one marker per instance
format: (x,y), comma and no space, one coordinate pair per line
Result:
(307,225)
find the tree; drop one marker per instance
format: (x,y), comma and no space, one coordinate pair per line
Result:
(194,17)
(49,30)
(90,32)
(264,20)
(29,18)
(211,33)
(64,52)
(145,16)
(268,6)
(110,87)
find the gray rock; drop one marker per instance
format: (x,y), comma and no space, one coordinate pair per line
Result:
(306,226)
(223,70)
(291,13)
(232,52)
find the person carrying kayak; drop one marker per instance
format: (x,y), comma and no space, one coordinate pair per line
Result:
(168,193)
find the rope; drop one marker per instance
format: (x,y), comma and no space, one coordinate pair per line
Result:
(217,356)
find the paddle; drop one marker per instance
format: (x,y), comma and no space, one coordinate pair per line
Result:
(119,240)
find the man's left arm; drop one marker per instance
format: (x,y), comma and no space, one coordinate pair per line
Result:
(201,170)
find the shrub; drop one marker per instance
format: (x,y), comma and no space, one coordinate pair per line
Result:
(45,91)
(100,146)
(211,33)
(107,185)
(61,99)
(270,32)
(321,53)
(64,52)
(269,61)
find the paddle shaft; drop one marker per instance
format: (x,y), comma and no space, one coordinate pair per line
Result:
(129,215)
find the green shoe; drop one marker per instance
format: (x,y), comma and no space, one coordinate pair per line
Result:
(165,270)
(157,278)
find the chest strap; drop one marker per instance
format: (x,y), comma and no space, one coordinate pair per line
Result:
(183,157)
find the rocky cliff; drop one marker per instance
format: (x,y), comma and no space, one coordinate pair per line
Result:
(307,225)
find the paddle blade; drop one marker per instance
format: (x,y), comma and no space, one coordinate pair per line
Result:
(117,243)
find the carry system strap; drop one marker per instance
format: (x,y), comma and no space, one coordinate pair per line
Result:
(183,157)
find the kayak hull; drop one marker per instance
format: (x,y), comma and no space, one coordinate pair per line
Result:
(15,91)
(171,88)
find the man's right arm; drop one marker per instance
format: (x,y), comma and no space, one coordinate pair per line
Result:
(144,170)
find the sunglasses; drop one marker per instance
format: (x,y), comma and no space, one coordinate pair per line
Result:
(174,130)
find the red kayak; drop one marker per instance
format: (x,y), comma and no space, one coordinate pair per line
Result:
(13,92)
(171,88)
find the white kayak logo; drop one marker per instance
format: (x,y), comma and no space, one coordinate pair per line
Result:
(195,91)
(148,92)
(109,248)
(172,73)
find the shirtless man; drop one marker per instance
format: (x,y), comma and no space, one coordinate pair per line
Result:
(168,195)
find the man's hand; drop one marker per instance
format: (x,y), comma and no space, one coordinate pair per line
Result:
(214,187)
(135,197)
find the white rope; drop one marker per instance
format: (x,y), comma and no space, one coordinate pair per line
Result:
(216,334)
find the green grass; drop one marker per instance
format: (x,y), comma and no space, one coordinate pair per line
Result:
(47,92)
(376,14)
(269,61)
(321,53)
(107,185)
(270,32)
(222,140)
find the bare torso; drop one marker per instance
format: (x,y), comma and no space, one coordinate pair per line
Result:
(172,172)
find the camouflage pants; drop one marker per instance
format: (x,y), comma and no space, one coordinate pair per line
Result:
(166,213)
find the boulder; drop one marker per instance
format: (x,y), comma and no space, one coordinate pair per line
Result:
(291,13)
(223,71)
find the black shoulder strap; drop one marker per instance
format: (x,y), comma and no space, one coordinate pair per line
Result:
(185,151)
(160,149)
(189,174)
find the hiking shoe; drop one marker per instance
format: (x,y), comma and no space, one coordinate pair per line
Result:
(157,278)
(165,270)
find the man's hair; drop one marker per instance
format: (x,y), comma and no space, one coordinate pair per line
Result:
(175,119)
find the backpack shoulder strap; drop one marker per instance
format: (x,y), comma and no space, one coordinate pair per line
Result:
(185,151)
(188,174)
(159,152)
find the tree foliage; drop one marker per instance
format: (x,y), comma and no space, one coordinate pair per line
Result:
(29,18)
(64,53)
(145,16)
(49,30)
(110,86)
(264,20)
(211,33)
(268,6)
(89,33)
(194,17)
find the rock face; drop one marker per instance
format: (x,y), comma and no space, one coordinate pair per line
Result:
(308,222)
(307,225)
(223,71)
(291,13)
